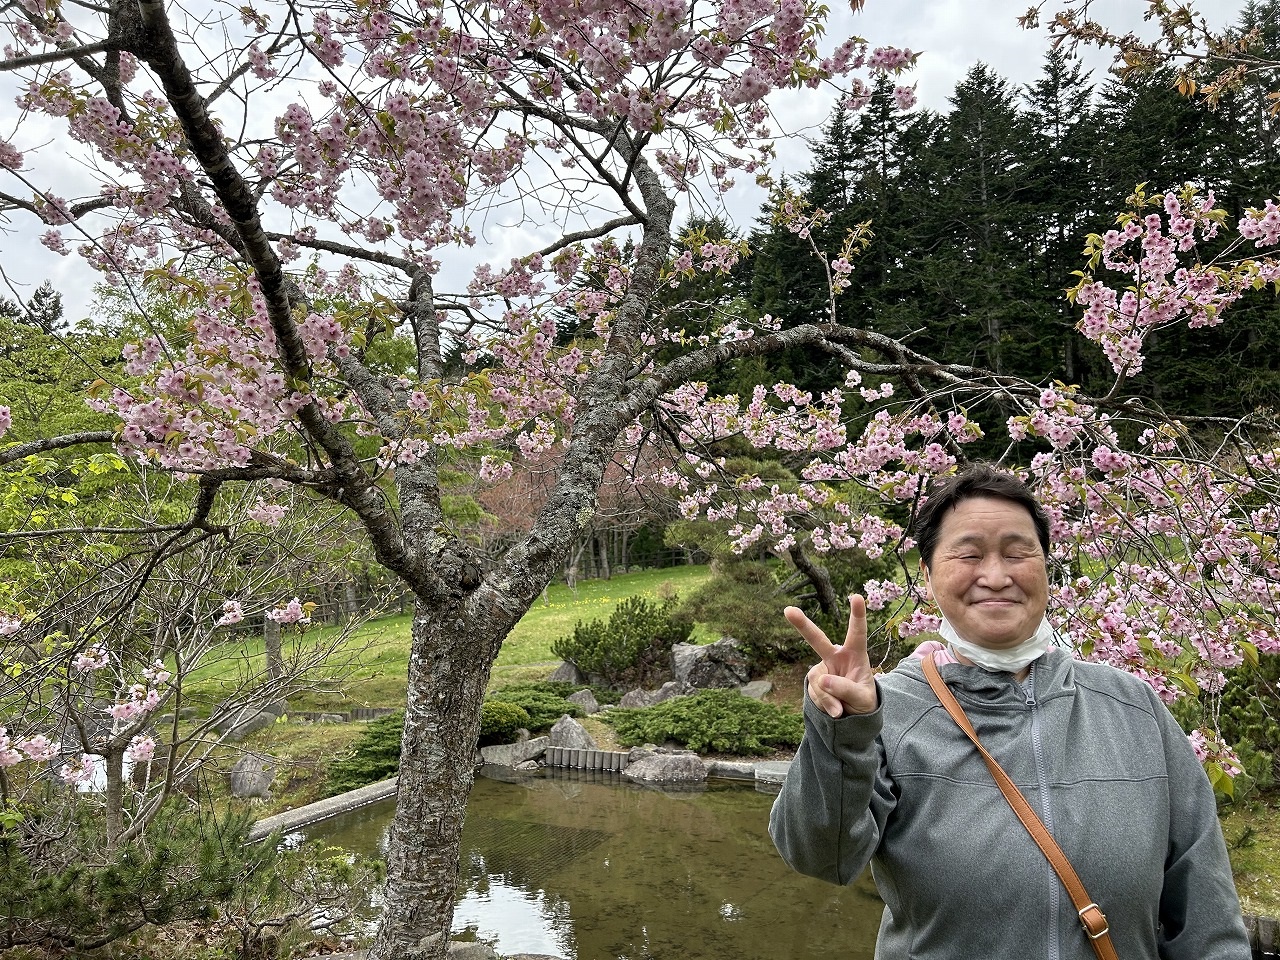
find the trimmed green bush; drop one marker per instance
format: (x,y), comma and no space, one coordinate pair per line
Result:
(499,721)
(541,703)
(720,720)
(632,648)
(376,756)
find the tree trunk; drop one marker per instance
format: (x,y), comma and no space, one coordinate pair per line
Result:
(271,634)
(452,653)
(113,764)
(817,575)
(602,553)
(350,600)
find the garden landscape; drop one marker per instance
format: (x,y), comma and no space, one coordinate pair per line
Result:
(415,375)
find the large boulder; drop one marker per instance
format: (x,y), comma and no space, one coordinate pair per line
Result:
(567,672)
(648,698)
(252,776)
(568,732)
(718,665)
(238,725)
(756,689)
(586,700)
(510,754)
(660,765)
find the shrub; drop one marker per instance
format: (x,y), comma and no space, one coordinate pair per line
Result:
(721,720)
(632,648)
(499,721)
(540,701)
(68,892)
(375,756)
(744,599)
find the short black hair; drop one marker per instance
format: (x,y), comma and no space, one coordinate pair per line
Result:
(975,480)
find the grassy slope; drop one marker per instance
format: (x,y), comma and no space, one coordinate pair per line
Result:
(371,672)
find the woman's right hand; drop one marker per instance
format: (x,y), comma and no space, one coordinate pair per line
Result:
(844,681)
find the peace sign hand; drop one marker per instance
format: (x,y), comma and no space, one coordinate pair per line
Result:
(843,682)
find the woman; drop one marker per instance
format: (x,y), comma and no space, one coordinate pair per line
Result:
(885,776)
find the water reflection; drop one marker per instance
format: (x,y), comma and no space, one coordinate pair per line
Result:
(587,870)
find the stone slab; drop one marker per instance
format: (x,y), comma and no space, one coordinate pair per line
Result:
(772,771)
(731,769)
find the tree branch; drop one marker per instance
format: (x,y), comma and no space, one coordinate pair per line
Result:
(33,447)
(53,56)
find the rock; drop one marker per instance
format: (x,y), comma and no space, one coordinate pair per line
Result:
(716,665)
(239,725)
(526,766)
(756,689)
(586,700)
(277,708)
(509,754)
(252,776)
(670,690)
(331,718)
(647,698)
(458,950)
(772,771)
(664,766)
(635,698)
(566,673)
(568,732)
(731,769)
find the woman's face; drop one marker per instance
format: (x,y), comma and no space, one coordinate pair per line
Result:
(988,574)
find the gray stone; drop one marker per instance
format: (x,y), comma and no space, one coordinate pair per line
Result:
(720,665)
(731,769)
(772,771)
(756,689)
(636,698)
(277,708)
(459,950)
(665,766)
(252,776)
(509,754)
(331,718)
(246,721)
(586,700)
(670,690)
(526,766)
(567,672)
(647,698)
(568,732)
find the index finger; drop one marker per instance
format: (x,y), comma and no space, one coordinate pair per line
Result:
(812,633)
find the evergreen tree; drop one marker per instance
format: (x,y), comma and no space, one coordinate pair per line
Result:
(1062,176)
(981,222)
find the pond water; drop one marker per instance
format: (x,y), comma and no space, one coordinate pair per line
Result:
(589,867)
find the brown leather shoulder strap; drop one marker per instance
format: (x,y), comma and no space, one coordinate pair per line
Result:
(1091,916)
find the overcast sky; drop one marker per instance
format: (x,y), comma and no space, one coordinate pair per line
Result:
(952,35)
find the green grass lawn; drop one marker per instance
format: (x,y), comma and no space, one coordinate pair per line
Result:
(370,668)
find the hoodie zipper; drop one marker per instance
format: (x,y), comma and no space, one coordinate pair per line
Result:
(1046,811)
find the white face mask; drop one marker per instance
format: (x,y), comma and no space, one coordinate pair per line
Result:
(1009,660)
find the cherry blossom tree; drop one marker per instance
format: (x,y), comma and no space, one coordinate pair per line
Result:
(301,178)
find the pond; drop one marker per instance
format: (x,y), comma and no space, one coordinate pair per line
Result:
(588,868)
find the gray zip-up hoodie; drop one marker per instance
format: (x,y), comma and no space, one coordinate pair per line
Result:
(1097,756)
